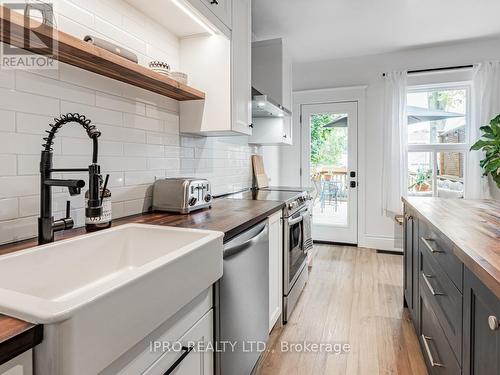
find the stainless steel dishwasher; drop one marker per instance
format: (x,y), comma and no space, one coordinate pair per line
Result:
(242,298)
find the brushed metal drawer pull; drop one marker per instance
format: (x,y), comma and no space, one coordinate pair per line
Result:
(426,279)
(429,354)
(426,243)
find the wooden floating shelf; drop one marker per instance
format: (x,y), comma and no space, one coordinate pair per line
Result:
(15,30)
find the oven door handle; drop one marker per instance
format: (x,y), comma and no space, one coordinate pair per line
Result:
(295,221)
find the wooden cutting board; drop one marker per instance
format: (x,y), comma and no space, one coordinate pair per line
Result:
(259,171)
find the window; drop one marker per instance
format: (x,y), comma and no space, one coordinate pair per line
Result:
(438,139)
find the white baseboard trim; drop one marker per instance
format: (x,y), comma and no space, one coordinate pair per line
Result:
(378,243)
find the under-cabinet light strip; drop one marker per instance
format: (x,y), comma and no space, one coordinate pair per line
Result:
(194,16)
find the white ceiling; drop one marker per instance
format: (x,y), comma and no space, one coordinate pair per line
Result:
(328,29)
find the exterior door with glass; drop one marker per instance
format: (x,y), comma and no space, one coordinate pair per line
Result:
(330,167)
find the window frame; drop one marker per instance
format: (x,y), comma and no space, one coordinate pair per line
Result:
(435,148)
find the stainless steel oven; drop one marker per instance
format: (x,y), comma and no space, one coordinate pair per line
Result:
(295,272)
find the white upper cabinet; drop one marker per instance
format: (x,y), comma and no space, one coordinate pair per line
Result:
(272,76)
(271,131)
(221,68)
(241,66)
(217,12)
(222,10)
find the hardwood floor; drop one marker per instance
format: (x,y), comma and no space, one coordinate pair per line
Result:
(353,296)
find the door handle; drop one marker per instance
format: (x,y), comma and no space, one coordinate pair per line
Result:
(295,221)
(427,242)
(429,285)
(230,251)
(429,354)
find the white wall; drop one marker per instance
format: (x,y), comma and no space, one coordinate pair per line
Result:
(140,130)
(367,70)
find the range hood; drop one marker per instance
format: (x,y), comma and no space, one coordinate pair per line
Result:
(264,106)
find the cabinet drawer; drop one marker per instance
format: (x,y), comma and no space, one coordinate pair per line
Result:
(437,352)
(192,359)
(444,299)
(440,249)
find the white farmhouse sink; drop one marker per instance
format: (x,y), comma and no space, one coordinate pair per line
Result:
(101,293)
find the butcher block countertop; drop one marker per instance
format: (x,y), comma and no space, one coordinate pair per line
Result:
(473,226)
(17,336)
(231,216)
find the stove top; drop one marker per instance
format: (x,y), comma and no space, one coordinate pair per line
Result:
(284,188)
(267,195)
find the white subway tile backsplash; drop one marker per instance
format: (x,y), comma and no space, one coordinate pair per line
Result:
(127,193)
(28,164)
(141,122)
(143,177)
(8,165)
(25,102)
(83,146)
(9,209)
(117,35)
(18,229)
(119,134)
(18,186)
(139,140)
(121,104)
(7,78)
(136,149)
(7,121)
(72,11)
(95,114)
(122,163)
(80,77)
(151,98)
(34,124)
(26,144)
(171,119)
(168,164)
(73,27)
(103,8)
(36,84)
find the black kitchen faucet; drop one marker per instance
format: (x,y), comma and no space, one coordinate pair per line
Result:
(46,224)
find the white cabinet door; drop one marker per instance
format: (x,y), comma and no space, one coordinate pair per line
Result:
(241,69)
(275,268)
(195,361)
(222,9)
(271,131)
(21,365)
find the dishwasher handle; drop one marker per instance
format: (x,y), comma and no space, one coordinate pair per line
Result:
(233,250)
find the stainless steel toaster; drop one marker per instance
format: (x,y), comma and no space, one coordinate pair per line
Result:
(181,194)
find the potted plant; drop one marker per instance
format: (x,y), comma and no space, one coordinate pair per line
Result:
(490,145)
(421,180)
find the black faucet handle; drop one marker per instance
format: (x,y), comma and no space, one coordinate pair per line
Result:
(68,209)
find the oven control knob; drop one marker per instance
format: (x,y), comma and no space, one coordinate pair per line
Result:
(290,206)
(208,198)
(192,201)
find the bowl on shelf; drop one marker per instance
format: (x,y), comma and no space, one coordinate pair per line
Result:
(160,67)
(180,77)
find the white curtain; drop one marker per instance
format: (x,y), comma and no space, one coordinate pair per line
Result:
(395,143)
(486,99)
